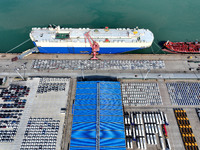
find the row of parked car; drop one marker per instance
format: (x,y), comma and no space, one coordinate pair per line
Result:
(9,105)
(41,133)
(48,87)
(7,135)
(12,102)
(14,91)
(11,111)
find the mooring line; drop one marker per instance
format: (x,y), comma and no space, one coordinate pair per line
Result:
(18,46)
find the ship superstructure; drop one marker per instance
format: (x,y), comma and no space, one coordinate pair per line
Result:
(73,40)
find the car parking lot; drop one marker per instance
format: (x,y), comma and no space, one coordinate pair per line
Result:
(30,119)
(140,93)
(41,133)
(42,64)
(12,103)
(184,93)
(51,84)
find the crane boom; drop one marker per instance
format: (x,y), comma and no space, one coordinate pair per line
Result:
(94,45)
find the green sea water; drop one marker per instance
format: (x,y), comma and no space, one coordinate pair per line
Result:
(175,20)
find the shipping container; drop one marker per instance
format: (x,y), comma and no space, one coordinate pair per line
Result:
(155,140)
(138,143)
(152,128)
(146,128)
(131,143)
(166,120)
(155,128)
(159,131)
(151,139)
(157,121)
(144,117)
(144,143)
(141,143)
(168,144)
(162,143)
(134,136)
(142,129)
(148,139)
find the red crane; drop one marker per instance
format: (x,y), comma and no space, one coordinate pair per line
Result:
(94,45)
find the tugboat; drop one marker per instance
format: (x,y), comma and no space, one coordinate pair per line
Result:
(182,47)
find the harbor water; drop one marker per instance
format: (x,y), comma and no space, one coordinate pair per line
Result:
(168,20)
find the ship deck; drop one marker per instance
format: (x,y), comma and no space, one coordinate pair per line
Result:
(99,35)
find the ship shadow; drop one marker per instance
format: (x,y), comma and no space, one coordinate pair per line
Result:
(161,43)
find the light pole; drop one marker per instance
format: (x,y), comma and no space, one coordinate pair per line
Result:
(16,69)
(25,68)
(147,74)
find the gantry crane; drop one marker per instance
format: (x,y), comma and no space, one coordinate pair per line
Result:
(94,45)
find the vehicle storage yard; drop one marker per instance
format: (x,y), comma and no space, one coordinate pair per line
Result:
(41,121)
(38,113)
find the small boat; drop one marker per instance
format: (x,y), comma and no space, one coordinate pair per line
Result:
(182,47)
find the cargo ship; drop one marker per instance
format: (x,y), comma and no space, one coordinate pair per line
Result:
(73,40)
(182,47)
